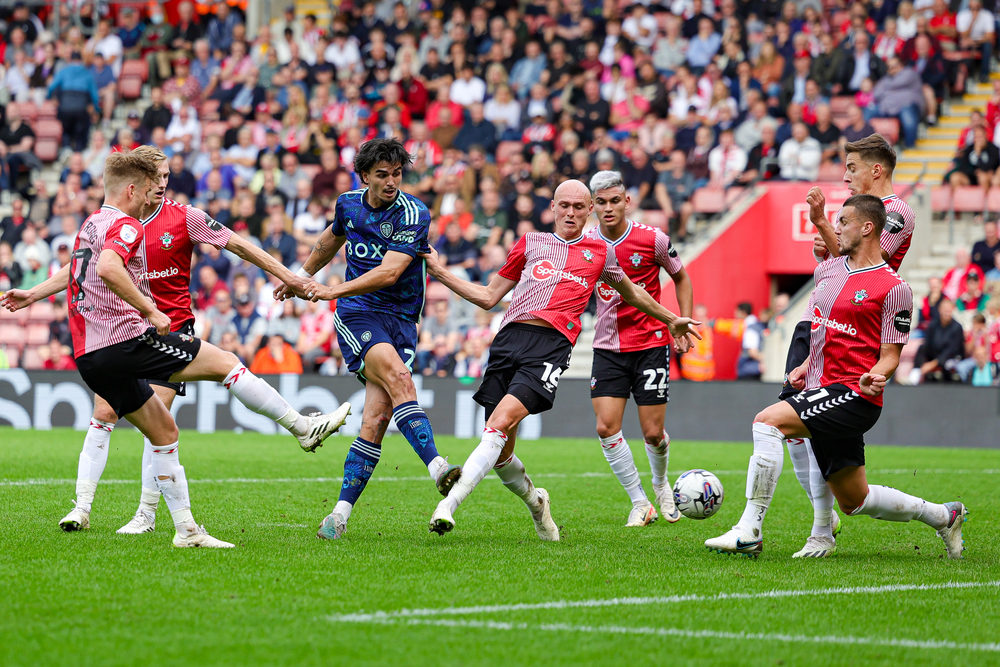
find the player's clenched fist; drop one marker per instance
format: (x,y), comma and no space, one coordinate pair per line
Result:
(433,262)
(817,205)
(872,385)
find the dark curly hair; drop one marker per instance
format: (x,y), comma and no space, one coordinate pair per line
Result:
(371,153)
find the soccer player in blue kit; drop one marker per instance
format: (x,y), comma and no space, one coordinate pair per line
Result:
(378,307)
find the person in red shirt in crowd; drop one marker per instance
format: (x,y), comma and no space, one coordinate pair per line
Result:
(942,26)
(433,115)
(929,306)
(955,281)
(967,136)
(412,92)
(390,100)
(58,360)
(993,106)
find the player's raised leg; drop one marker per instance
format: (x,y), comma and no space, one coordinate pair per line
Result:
(855,496)
(658,452)
(364,455)
(609,411)
(93,459)
(384,367)
(216,365)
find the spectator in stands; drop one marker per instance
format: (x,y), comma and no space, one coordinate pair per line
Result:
(983,372)
(670,48)
(205,68)
(861,64)
(299,204)
(857,128)
(674,187)
(750,365)
(470,361)
(984,250)
(324,185)
(315,333)
(220,29)
(12,225)
(528,70)
(35,271)
(18,76)
(750,132)
(929,64)
(157,114)
(942,349)
(108,44)
(75,90)
(17,141)
(703,46)
(955,279)
(68,229)
(727,161)
(291,174)
(11,273)
(432,329)
(57,357)
(793,86)
(767,150)
(490,219)
(59,329)
(476,132)
(697,157)
(250,325)
(967,135)
(975,27)
(458,254)
(96,153)
(478,168)
(993,277)
(274,232)
(826,133)
(30,240)
(972,299)
(181,180)
(184,128)
(800,156)
(977,164)
(899,94)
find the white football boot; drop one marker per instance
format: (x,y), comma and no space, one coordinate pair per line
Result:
(817,547)
(952,533)
(200,538)
(78,519)
(442,520)
(835,526)
(322,427)
(333,526)
(541,514)
(140,523)
(736,541)
(665,499)
(643,515)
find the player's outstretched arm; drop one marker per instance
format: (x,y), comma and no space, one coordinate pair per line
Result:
(251,253)
(873,382)
(15,299)
(484,296)
(680,327)
(817,216)
(385,274)
(322,253)
(111,269)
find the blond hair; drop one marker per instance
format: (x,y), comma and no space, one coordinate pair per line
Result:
(152,152)
(122,169)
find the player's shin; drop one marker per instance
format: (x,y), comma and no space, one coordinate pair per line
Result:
(149,497)
(172,482)
(263,399)
(479,463)
(821,496)
(358,468)
(619,457)
(762,476)
(511,473)
(798,451)
(93,459)
(659,459)
(412,422)
(889,504)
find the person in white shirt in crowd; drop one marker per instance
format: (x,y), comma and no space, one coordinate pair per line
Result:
(184,126)
(108,44)
(906,21)
(640,26)
(975,27)
(243,156)
(800,156)
(467,89)
(307,227)
(726,161)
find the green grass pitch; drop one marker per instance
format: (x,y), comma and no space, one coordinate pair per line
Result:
(615,595)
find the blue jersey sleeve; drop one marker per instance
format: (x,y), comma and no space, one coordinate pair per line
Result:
(337,227)
(411,237)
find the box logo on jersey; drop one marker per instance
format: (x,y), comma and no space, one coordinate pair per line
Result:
(167,241)
(819,321)
(128,233)
(545,270)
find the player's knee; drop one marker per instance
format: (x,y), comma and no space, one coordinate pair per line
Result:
(400,383)
(606,428)
(228,361)
(766,417)
(103,412)
(653,438)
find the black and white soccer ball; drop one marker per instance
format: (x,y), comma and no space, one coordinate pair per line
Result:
(698,494)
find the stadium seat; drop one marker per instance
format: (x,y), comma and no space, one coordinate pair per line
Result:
(130,87)
(47,149)
(48,128)
(13,356)
(48,110)
(969,199)
(139,68)
(19,318)
(32,360)
(888,128)
(13,335)
(940,198)
(42,312)
(37,334)
(709,200)
(831,172)
(655,219)
(993,200)
(29,112)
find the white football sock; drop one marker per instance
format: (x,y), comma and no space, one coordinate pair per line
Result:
(93,459)
(434,467)
(762,476)
(511,473)
(479,463)
(263,399)
(659,459)
(798,450)
(821,496)
(149,498)
(619,457)
(172,482)
(343,508)
(889,504)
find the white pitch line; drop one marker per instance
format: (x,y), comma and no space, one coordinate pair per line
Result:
(699,634)
(380,616)
(422,478)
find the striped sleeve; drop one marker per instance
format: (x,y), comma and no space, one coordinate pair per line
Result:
(897,315)
(203,229)
(899,225)
(516,259)
(124,237)
(612,272)
(666,255)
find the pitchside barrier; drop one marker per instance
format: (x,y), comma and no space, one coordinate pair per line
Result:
(930,415)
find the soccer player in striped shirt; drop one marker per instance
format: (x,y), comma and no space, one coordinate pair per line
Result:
(553,276)
(632,349)
(869,166)
(861,312)
(121,339)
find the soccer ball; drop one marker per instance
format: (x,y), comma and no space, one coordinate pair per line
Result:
(698,494)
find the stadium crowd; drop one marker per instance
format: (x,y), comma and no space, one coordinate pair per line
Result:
(496,102)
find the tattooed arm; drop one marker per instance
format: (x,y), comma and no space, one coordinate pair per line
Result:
(325,249)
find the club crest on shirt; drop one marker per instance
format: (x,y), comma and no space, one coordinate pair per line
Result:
(593,382)
(186,338)
(366,336)
(386,229)
(859,296)
(636,259)
(167,241)
(588,256)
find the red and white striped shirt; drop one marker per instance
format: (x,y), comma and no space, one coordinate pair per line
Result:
(854,313)
(640,252)
(98,317)
(898,232)
(555,279)
(170,236)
